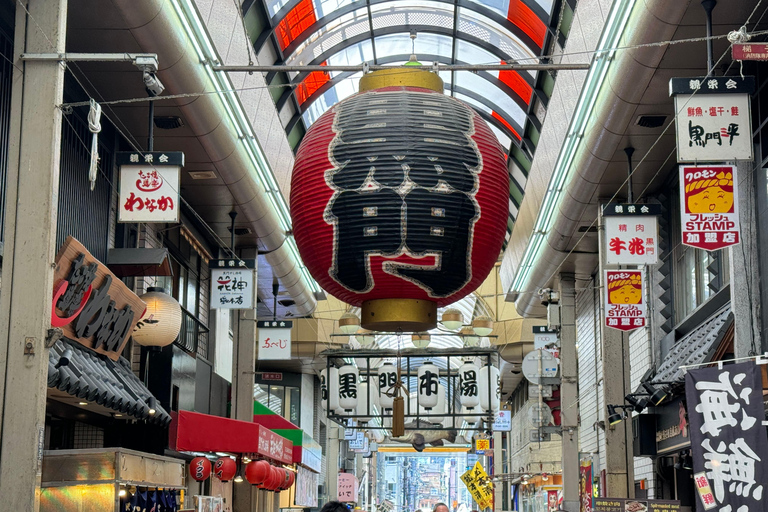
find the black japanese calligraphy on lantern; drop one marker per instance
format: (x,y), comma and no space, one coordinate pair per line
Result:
(405,175)
(323,389)
(347,385)
(468,383)
(387,380)
(428,383)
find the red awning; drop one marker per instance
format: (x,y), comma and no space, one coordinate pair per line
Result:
(196,432)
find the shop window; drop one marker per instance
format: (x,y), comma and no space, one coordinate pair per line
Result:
(282,400)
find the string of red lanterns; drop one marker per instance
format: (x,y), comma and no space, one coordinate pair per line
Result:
(260,473)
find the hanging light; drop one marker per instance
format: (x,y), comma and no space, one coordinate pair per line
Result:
(347,390)
(471,414)
(421,339)
(161,322)
(452,319)
(657,395)
(489,375)
(613,416)
(349,323)
(329,389)
(482,325)
(365,337)
(469,337)
(387,381)
(428,383)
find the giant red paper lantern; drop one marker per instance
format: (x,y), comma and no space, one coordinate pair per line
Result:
(400,192)
(200,469)
(225,469)
(256,472)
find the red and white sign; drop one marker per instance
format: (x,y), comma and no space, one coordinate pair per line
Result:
(274,344)
(347,487)
(709,206)
(149,188)
(625,307)
(705,491)
(749,51)
(275,446)
(632,240)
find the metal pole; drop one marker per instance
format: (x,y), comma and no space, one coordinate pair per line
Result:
(709,6)
(151,136)
(378,67)
(629,150)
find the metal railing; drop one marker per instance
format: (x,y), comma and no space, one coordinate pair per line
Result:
(193,337)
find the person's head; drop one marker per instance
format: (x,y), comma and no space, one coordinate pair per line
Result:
(334,506)
(440,507)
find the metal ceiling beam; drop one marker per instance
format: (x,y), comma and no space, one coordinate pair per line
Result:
(308,68)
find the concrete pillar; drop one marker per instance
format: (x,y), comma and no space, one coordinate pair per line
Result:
(498,503)
(569,393)
(30,237)
(744,269)
(334,435)
(619,465)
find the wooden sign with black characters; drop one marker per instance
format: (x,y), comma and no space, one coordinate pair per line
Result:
(90,304)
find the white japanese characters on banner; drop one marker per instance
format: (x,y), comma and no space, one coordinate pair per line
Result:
(149,186)
(625,299)
(728,438)
(274,339)
(712,119)
(709,199)
(233,283)
(631,234)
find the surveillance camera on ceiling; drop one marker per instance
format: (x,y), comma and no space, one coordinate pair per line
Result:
(153,84)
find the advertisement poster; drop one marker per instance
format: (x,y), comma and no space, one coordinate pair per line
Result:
(709,200)
(476,481)
(625,307)
(634,505)
(306,488)
(585,486)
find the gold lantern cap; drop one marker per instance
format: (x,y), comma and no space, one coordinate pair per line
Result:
(402,77)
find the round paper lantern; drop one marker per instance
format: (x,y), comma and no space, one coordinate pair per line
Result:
(349,323)
(284,479)
(291,479)
(256,472)
(329,389)
(490,402)
(274,479)
(387,380)
(471,414)
(366,338)
(469,395)
(400,200)
(347,389)
(225,469)
(428,383)
(161,322)
(200,469)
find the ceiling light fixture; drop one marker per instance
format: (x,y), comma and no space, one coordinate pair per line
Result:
(452,319)
(349,323)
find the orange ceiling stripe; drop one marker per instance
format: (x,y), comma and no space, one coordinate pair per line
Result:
(295,22)
(522,16)
(503,121)
(517,83)
(310,84)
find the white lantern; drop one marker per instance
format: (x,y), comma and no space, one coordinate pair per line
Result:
(428,383)
(440,408)
(482,325)
(471,414)
(469,337)
(349,323)
(489,374)
(421,339)
(469,392)
(329,389)
(452,319)
(161,322)
(386,382)
(348,376)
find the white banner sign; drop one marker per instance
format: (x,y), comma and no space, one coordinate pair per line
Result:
(149,187)
(232,288)
(713,127)
(631,239)
(274,343)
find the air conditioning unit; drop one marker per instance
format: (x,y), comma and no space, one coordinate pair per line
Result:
(553,316)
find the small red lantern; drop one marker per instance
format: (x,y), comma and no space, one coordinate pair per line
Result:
(291,479)
(225,469)
(256,472)
(200,468)
(271,482)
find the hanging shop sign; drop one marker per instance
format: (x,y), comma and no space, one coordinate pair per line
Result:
(274,339)
(476,481)
(502,421)
(149,186)
(90,304)
(233,283)
(633,505)
(726,413)
(275,446)
(625,307)
(585,486)
(705,491)
(360,442)
(709,199)
(713,118)
(347,487)
(749,51)
(543,336)
(631,234)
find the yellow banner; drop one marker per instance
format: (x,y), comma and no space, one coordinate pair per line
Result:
(479,486)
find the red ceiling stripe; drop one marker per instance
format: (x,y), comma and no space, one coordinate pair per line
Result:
(295,22)
(503,121)
(517,83)
(522,16)
(310,84)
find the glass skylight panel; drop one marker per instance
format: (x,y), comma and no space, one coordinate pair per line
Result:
(484,28)
(504,139)
(326,38)
(274,6)
(426,44)
(493,94)
(499,6)
(473,54)
(326,7)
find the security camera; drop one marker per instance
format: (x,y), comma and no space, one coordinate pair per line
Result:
(548,296)
(153,84)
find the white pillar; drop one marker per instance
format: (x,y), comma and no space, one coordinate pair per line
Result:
(569,393)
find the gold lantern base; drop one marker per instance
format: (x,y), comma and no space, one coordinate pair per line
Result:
(403,77)
(407,315)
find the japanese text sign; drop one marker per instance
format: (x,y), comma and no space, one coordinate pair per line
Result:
(360,442)
(476,481)
(482,444)
(709,201)
(632,238)
(502,421)
(633,505)
(233,284)
(749,51)
(728,438)
(90,305)
(713,121)
(347,487)
(149,186)
(625,307)
(274,341)
(275,446)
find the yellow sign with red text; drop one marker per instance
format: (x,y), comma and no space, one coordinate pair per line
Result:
(479,485)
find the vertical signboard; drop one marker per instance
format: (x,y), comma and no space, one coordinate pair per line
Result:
(728,438)
(347,487)
(149,186)
(709,199)
(585,486)
(631,234)
(274,339)
(625,299)
(233,284)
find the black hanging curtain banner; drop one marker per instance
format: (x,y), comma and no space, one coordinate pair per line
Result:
(729,443)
